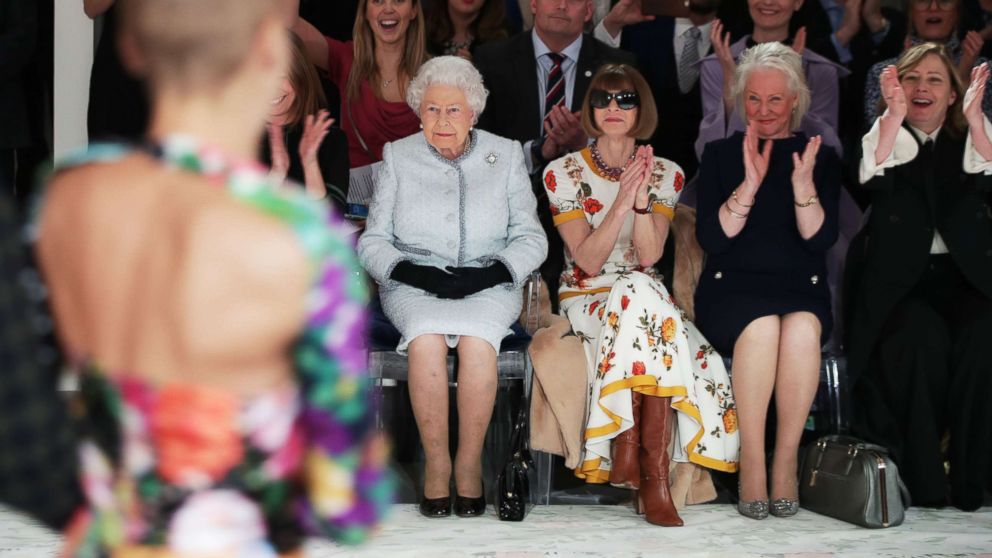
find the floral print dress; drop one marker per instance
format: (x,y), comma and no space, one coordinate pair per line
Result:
(634,335)
(184,469)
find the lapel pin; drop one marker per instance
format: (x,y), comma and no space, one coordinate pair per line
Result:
(588,73)
(491,158)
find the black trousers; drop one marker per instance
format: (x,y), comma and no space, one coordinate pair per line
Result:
(928,393)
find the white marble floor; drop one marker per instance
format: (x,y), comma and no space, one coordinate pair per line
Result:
(588,531)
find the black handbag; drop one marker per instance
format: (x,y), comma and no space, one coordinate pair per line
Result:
(853,481)
(512,485)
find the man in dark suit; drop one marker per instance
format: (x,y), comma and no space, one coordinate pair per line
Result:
(537,81)
(668,48)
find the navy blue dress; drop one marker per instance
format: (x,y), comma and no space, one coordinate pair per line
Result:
(768,268)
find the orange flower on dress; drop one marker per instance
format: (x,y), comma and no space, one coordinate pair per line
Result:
(592,206)
(638,369)
(606,364)
(549,181)
(600,313)
(613,318)
(624,301)
(592,307)
(195,433)
(668,330)
(730,421)
(667,359)
(678,182)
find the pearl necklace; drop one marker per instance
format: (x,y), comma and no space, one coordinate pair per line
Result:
(611,173)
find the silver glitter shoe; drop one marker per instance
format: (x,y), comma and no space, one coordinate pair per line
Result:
(757,509)
(784,507)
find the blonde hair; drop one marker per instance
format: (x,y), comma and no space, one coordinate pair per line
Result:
(193,43)
(911,58)
(309,95)
(621,77)
(774,56)
(364,67)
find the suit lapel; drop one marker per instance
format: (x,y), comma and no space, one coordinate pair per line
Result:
(526,83)
(587,65)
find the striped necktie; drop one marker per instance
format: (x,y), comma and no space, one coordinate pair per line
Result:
(688,69)
(555,90)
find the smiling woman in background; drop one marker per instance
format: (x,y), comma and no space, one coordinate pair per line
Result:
(301,144)
(373,72)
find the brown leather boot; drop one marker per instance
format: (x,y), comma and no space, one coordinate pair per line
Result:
(625,471)
(655,499)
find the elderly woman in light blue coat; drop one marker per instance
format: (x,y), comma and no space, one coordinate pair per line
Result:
(452,234)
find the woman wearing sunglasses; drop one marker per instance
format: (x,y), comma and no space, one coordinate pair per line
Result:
(613,203)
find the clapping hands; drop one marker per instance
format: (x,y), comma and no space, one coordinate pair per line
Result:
(755,162)
(634,180)
(893,94)
(802,172)
(972,105)
(315,129)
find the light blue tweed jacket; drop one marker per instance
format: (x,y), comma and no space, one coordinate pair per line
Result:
(466,212)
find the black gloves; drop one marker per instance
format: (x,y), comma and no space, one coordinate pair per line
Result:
(458,282)
(474,279)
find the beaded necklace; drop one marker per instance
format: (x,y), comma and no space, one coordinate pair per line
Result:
(611,173)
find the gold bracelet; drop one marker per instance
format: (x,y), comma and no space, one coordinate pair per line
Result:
(812,201)
(734,195)
(734,213)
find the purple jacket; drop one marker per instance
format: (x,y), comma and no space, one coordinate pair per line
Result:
(822,77)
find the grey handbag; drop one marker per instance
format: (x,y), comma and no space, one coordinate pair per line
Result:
(854,481)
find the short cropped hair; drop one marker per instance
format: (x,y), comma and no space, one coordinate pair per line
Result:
(622,77)
(194,43)
(449,70)
(774,56)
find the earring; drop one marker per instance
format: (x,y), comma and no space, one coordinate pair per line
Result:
(421,125)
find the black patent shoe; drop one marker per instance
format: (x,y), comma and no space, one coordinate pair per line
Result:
(470,507)
(435,507)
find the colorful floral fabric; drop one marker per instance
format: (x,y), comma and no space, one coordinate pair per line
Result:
(201,471)
(635,336)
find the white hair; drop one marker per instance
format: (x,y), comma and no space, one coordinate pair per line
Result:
(449,70)
(774,56)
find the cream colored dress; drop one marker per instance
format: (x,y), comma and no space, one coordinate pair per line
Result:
(634,335)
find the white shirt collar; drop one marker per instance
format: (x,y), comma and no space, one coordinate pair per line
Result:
(683,24)
(923,136)
(571,52)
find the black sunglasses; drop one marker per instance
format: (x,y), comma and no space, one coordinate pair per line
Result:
(626,100)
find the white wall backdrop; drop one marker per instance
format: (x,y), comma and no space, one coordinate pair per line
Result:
(73,58)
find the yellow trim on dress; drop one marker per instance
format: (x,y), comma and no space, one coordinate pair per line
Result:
(587,157)
(572,294)
(647,385)
(568,216)
(659,207)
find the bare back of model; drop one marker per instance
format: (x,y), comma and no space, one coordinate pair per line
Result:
(160,273)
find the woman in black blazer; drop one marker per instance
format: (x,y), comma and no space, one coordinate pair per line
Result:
(921,281)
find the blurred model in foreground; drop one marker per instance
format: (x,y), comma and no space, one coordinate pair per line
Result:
(216,320)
